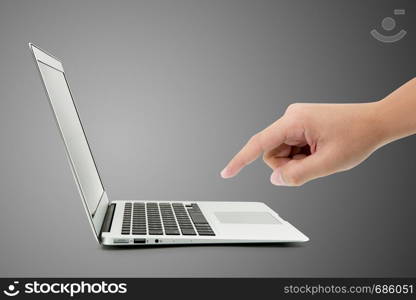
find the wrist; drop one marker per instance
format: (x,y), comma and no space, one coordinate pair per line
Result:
(380,127)
(394,115)
(381,122)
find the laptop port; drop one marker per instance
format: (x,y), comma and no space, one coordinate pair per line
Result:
(121,241)
(140,241)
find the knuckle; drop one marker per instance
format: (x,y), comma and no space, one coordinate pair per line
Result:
(297,111)
(293,179)
(291,122)
(294,107)
(253,138)
(261,141)
(266,158)
(257,140)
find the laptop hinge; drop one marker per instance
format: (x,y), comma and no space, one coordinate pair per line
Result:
(108,219)
(99,216)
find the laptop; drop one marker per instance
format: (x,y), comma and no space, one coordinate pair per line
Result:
(150,222)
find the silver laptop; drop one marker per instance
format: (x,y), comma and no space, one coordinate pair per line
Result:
(150,222)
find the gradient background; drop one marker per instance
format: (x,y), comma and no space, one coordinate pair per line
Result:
(168,91)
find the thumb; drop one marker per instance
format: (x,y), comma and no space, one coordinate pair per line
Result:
(299,171)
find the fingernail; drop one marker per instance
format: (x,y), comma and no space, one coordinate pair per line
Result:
(276,178)
(224,173)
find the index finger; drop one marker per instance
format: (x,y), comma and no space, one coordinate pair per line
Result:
(265,140)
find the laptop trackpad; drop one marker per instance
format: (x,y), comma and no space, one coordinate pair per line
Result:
(245,217)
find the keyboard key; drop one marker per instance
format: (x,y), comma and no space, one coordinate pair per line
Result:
(186,231)
(155,232)
(206,233)
(172,232)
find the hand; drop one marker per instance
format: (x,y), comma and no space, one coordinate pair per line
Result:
(313,140)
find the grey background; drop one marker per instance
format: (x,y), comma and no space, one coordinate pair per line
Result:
(168,91)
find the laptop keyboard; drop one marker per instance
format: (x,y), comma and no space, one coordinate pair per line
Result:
(141,218)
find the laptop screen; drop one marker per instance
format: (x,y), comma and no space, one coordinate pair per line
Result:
(78,150)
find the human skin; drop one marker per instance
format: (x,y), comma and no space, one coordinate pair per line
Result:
(315,140)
